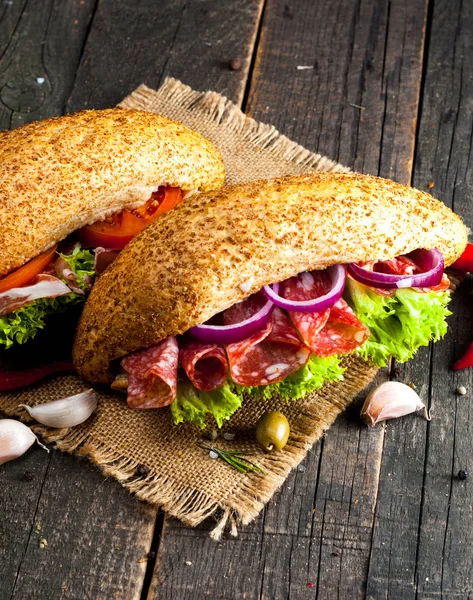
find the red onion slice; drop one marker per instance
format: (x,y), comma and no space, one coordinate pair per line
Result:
(337,276)
(430,262)
(229,334)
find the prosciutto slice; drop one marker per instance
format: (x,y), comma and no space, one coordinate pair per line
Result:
(103,258)
(152,375)
(44,286)
(269,355)
(205,364)
(336,330)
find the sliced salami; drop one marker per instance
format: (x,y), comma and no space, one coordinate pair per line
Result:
(336,330)
(152,375)
(267,356)
(307,286)
(205,364)
(342,333)
(403,265)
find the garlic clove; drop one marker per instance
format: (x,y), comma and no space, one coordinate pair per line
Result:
(15,439)
(391,400)
(66,412)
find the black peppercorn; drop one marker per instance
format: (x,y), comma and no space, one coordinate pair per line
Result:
(234,64)
(28,476)
(462,475)
(142,470)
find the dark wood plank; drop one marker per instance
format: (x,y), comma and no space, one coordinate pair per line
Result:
(98,537)
(435,532)
(33,46)
(190,40)
(40,50)
(315,535)
(96,532)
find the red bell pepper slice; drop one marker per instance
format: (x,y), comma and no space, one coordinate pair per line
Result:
(465,262)
(465,361)
(11,380)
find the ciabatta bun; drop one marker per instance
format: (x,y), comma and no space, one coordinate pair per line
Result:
(61,174)
(220,247)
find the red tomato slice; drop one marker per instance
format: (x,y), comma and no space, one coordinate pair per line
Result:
(115,233)
(28,272)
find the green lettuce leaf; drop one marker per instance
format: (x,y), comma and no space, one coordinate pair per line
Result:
(399,324)
(81,262)
(192,405)
(24,323)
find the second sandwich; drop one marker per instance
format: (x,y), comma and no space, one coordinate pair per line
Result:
(262,288)
(73,192)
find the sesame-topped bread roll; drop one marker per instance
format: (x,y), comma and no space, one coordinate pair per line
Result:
(218,248)
(61,174)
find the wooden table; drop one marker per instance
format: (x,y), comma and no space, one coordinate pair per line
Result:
(383,86)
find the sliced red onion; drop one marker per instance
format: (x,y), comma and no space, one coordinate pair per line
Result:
(230,334)
(430,262)
(337,276)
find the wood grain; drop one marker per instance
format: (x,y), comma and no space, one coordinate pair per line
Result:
(40,49)
(33,45)
(190,40)
(423,507)
(314,539)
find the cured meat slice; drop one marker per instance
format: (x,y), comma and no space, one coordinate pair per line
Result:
(103,258)
(267,356)
(402,265)
(152,375)
(44,286)
(342,333)
(336,330)
(205,364)
(307,286)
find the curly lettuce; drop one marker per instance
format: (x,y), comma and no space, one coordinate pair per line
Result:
(193,406)
(23,324)
(398,324)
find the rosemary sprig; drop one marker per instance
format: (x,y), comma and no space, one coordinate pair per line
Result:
(233,458)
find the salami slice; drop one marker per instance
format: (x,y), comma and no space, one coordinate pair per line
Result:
(152,375)
(205,364)
(336,330)
(342,333)
(403,265)
(307,286)
(267,356)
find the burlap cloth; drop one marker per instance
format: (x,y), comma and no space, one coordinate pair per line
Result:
(144,450)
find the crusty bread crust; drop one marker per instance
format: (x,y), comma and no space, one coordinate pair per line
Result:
(220,247)
(61,174)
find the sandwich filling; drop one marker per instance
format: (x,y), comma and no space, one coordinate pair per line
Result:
(62,276)
(292,352)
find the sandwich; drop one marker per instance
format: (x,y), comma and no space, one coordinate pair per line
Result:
(74,191)
(264,288)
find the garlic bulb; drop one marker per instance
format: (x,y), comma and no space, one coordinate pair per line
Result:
(390,400)
(15,439)
(66,412)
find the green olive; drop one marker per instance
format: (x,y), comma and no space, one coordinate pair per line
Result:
(272,431)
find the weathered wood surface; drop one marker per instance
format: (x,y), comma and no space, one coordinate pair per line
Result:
(372,513)
(422,506)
